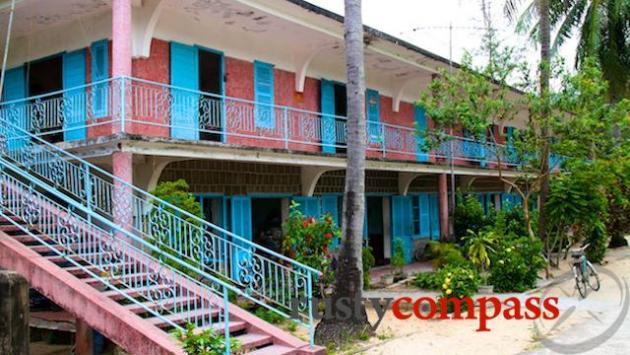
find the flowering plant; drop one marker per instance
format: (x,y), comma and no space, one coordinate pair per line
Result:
(308,241)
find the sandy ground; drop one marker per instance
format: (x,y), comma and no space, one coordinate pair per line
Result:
(415,336)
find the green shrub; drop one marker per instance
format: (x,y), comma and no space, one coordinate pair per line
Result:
(516,264)
(269,315)
(442,254)
(468,215)
(598,242)
(398,257)
(368,263)
(427,281)
(174,238)
(458,281)
(205,342)
(308,241)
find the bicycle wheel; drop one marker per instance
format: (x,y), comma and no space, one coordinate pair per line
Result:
(580,283)
(593,277)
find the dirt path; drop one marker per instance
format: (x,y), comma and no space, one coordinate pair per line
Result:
(584,319)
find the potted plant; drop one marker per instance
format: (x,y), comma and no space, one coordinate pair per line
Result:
(479,246)
(398,260)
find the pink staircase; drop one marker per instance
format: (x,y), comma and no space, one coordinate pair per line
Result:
(124,293)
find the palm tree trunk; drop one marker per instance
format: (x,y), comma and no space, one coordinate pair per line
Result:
(349,273)
(545,70)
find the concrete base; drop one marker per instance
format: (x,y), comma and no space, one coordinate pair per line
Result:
(14,331)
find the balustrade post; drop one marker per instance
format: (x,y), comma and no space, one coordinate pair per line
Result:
(285,122)
(226,320)
(383,148)
(123,104)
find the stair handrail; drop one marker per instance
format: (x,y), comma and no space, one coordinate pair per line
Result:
(301,273)
(121,240)
(130,241)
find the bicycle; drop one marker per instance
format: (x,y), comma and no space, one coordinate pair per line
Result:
(584,272)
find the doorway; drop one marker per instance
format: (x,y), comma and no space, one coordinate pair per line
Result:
(46,76)
(210,106)
(375,229)
(341,110)
(267,222)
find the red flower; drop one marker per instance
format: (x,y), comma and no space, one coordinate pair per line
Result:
(328,235)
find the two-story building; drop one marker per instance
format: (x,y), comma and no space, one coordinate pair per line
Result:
(245,100)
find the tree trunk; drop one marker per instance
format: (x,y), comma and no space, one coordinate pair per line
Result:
(335,327)
(545,70)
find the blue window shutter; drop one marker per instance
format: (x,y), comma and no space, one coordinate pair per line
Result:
(373,113)
(402,224)
(264,95)
(425,220)
(328,129)
(434,215)
(421,125)
(505,201)
(15,89)
(185,105)
(100,71)
(75,105)
(241,211)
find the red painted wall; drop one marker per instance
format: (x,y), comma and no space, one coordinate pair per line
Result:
(154,107)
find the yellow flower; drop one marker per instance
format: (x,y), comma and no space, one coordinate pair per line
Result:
(444,286)
(449,274)
(449,291)
(447,280)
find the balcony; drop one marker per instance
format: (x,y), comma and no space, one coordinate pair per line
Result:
(151,109)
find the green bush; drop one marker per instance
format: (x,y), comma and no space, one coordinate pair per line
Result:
(368,263)
(173,238)
(269,315)
(398,257)
(427,281)
(458,281)
(308,241)
(442,254)
(516,264)
(468,215)
(512,221)
(205,342)
(598,243)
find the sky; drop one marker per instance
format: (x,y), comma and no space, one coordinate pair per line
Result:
(425,23)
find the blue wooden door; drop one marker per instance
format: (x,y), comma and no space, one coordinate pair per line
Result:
(15,89)
(434,216)
(373,115)
(330,205)
(74,99)
(100,71)
(309,206)
(421,127)
(185,91)
(425,220)
(241,211)
(264,95)
(328,129)
(402,224)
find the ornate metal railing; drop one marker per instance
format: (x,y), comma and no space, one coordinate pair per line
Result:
(111,255)
(264,276)
(154,109)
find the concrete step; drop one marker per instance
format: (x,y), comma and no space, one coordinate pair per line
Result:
(181,318)
(166,304)
(274,350)
(253,340)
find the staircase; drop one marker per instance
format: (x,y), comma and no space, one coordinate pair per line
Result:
(136,273)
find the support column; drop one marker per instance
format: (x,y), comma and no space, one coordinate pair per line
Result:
(443,202)
(122,168)
(14,332)
(83,338)
(121,58)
